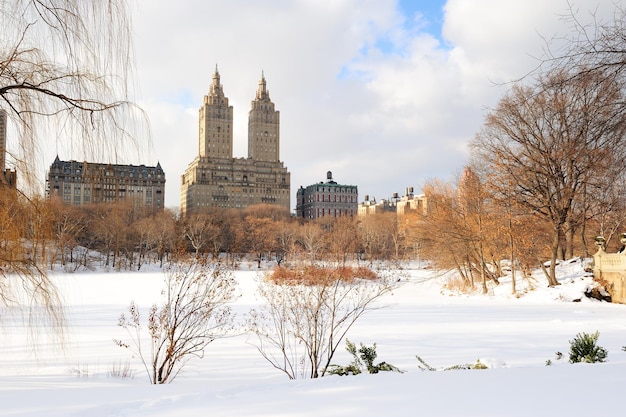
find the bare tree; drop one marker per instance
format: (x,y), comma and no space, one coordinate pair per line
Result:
(142,241)
(342,237)
(311,238)
(553,140)
(27,285)
(285,240)
(596,48)
(64,72)
(201,230)
(302,323)
(162,234)
(257,235)
(67,225)
(194,313)
(460,232)
(373,236)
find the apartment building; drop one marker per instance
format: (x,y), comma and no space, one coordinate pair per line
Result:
(327,199)
(83,183)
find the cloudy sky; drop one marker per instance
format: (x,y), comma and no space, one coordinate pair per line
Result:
(384,93)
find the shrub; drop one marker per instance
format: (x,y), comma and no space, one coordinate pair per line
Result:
(305,316)
(363,361)
(314,275)
(121,370)
(584,348)
(194,313)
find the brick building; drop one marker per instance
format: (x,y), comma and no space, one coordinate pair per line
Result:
(327,199)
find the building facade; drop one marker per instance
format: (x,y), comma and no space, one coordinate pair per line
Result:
(83,183)
(371,206)
(327,199)
(401,205)
(410,203)
(215,178)
(7,176)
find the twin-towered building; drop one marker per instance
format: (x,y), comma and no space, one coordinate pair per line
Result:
(215,179)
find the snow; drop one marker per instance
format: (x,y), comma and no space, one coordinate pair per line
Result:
(513,335)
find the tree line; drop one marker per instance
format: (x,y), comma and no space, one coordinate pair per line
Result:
(124,235)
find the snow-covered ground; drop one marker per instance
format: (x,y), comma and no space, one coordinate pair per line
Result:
(515,336)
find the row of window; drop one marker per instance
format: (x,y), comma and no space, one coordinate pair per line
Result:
(87,199)
(107,173)
(332,198)
(340,190)
(108,190)
(320,212)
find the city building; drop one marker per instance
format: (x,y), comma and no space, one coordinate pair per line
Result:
(7,176)
(401,205)
(410,203)
(327,199)
(215,178)
(83,183)
(371,206)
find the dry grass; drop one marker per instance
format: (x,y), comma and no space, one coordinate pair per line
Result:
(312,275)
(121,370)
(458,285)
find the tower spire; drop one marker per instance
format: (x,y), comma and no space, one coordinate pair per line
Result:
(262,93)
(216,86)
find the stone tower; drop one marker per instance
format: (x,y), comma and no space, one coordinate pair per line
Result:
(263,126)
(216,123)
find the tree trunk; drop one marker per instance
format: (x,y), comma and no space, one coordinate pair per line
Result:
(482,268)
(555,251)
(512,253)
(569,241)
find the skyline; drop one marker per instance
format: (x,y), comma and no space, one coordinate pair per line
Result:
(385,94)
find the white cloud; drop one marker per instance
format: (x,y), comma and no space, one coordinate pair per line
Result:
(381,104)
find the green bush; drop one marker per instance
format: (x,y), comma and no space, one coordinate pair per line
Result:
(584,348)
(363,361)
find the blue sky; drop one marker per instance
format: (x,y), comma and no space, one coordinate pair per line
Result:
(424,15)
(417,17)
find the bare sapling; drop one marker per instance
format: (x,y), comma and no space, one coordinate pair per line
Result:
(302,321)
(195,312)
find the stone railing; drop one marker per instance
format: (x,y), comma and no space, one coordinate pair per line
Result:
(610,269)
